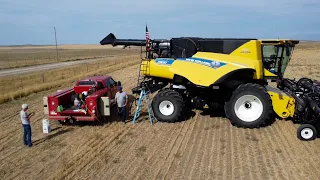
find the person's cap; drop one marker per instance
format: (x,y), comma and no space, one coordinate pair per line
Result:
(24,106)
(119,88)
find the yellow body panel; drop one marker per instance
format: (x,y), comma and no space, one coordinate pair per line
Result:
(283,104)
(269,74)
(250,50)
(151,68)
(202,69)
(206,74)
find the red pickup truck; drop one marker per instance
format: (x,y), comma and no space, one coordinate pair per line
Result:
(89,100)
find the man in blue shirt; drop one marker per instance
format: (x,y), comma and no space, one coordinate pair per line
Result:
(25,120)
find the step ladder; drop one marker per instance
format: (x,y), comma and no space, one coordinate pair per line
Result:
(144,97)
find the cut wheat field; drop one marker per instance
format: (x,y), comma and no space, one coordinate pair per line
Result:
(202,147)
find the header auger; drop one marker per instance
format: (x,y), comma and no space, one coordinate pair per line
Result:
(196,73)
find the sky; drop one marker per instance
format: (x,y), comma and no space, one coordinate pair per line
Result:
(88,22)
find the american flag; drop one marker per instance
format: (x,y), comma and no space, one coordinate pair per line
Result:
(147,39)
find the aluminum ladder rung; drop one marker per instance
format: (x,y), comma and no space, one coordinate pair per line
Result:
(144,95)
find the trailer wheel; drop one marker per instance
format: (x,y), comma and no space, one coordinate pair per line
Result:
(306,132)
(250,106)
(167,105)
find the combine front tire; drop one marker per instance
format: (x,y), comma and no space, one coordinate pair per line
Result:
(306,132)
(250,106)
(167,105)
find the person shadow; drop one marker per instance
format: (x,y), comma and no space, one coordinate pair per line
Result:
(53,133)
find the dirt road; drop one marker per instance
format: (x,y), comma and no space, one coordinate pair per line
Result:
(202,147)
(22,70)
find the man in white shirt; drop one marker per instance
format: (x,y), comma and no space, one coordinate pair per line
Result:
(25,120)
(121,98)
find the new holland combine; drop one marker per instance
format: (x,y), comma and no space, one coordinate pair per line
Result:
(194,72)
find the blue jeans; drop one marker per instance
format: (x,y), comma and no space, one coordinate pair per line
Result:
(27,134)
(122,111)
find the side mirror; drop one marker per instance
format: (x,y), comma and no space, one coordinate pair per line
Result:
(119,83)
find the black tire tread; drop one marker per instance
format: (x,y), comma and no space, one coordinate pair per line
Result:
(172,94)
(304,126)
(244,87)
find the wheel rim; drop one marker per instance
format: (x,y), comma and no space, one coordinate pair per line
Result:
(166,108)
(306,133)
(248,108)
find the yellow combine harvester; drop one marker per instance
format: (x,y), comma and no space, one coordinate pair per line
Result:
(192,72)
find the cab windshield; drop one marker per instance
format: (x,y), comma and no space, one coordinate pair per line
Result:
(276,58)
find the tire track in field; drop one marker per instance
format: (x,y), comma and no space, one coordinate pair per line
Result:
(212,155)
(246,157)
(229,154)
(267,168)
(122,146)
(83,159)
(275,145)
(195,138)
(217,154)
(140,157)
(237,155)
(132,157)
(188,147)
(224,151)
(203,156)
(87,163)
(251,139)
(293,169)
(158,157)
(197,151)
(128,160)
(176,144)
(170,144)
(286,161)
(204,162)
(172,168)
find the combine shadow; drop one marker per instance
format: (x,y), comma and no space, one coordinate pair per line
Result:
(50,136)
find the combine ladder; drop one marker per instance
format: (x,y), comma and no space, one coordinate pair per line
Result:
(144,92)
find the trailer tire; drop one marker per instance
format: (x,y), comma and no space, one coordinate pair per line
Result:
(168,106)
(306,132)
(250,106)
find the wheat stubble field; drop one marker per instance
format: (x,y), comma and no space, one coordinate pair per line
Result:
(201,147)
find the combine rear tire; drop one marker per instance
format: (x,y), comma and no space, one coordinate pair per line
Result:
(250,106)
(306,132)
(167,105)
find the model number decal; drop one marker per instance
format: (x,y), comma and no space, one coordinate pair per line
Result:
(164,61)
